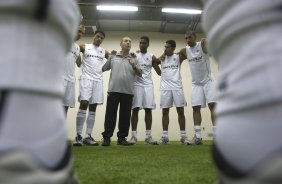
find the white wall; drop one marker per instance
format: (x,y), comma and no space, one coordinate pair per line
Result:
(157,41)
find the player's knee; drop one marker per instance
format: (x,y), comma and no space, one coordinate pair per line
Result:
(148,111)
(180,111)
(165,112)
(196,109)
(212,106)
(83,104)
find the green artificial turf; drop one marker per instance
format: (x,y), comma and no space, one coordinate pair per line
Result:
(144,164)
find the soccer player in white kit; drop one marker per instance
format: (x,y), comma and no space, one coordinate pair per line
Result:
(245,38)
(91,87)
(203,82)
(144,90)
(73,58)
(171,91)
(35,38)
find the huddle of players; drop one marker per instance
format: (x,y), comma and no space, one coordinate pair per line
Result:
(171,89)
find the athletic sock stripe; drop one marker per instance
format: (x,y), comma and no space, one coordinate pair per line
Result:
(2,102)
(65,159)
(224,166)
(42,9)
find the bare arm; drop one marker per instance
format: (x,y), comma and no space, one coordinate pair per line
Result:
(107,65)
(160,59)
(135,67)
(182,55)
(78,61)
(107,54)
(204,45)
(82,48)
(155,64)
(113,52)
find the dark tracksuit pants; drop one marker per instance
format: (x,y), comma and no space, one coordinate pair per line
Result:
(113,101)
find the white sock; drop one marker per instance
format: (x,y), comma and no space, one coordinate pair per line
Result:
(43,122)
(182,133)
(134,133)
(213,129)
(90,122)
(165,134)
(197,129)
(148,133)
(80,118)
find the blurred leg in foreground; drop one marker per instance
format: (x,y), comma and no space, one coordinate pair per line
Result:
(35,37)
(245,38)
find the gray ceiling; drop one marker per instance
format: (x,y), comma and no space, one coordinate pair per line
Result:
(149,17)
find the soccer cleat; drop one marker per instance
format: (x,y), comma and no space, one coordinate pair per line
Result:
(78,141)
(124,142)
(89,141)
(183,140)
(21,167)
(163,140)
(133,140)
(106,141)
(195,141)
(149,140)
(265,172)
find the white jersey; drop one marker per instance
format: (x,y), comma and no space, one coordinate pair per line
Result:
(199,64)
(145,63)
(171,77)
(93,61)
(71,62)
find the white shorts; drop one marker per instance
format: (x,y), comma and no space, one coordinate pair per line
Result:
(203,94)
(91,91)
(69,95)
(144,97)
(168,97)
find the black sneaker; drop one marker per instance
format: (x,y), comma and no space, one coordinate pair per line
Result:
(78,141)
(124,142)
(106,141)
(89,141)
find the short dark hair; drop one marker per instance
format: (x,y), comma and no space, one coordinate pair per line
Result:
(192,33)
(172,43)
(145,38)
(99,31)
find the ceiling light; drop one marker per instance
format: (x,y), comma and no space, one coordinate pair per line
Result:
(181,10)
(116,8)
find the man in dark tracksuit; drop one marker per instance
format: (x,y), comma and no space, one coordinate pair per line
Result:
(123,67)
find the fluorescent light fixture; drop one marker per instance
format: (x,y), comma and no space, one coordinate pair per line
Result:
(181,10)
(116,8)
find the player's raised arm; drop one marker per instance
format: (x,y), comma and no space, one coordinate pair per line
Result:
(155,64)
(182,55)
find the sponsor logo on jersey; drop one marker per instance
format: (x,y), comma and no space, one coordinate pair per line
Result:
(172,67)
(196,59)
(94,56)
(145,66)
